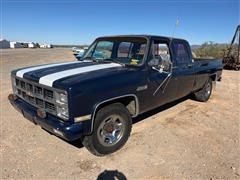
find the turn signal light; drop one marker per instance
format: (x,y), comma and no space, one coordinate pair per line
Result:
(41,113)
(12,97)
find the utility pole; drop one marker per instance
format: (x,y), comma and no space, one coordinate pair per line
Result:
(232,58)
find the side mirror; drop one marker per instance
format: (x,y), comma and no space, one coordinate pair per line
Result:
(160,65)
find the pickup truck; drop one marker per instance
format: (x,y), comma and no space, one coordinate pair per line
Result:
(118,78)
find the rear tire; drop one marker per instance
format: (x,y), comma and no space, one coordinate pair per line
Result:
(204,94)
(112,127)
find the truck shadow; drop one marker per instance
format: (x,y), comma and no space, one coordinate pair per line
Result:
(141,117)
(111,175)
(77,143)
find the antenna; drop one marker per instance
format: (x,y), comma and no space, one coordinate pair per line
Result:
(175,26)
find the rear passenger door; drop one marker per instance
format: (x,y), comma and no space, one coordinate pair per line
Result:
(184,68)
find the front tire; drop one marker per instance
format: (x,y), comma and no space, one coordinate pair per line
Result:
(204,94)
(112,127)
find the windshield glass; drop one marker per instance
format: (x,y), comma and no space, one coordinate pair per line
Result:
(123,50)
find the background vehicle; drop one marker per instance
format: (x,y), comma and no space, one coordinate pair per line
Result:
(117,79)
(78,53)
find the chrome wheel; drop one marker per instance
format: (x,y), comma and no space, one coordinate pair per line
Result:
(204,94)
(111,130)
(208,89)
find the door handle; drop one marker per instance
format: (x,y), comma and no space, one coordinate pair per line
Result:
(189,65)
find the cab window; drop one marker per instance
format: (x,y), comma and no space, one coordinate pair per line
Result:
(124,49)
(161,52)
(103,50)
(181,53)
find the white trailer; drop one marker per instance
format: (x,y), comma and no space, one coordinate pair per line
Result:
(14,44)
(31,45)
(45,46)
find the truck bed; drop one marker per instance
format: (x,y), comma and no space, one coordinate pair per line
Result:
(208,63)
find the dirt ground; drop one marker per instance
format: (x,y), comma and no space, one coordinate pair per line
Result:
(182,140)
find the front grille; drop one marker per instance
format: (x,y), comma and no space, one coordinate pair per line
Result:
(48,94)
(35,94)
(38,91)
(50,107)
(39,103)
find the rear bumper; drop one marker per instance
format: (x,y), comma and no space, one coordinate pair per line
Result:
(66,130)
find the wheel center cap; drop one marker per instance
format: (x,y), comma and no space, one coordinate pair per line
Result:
(109,128)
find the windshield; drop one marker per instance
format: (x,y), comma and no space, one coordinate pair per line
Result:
(121,50)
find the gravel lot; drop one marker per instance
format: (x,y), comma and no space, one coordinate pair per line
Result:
(184,139)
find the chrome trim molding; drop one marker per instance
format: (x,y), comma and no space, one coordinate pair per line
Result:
(117,97)
(82,118)
(141,88)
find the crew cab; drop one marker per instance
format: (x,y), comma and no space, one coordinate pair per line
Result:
(118,78)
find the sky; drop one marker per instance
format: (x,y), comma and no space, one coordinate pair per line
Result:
(80,22)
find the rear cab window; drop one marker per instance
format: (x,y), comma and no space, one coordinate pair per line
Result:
(181,53)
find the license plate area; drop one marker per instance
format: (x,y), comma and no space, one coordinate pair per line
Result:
(27,116)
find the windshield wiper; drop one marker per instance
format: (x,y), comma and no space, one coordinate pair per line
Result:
(87,58)
(110,60)
(91,59)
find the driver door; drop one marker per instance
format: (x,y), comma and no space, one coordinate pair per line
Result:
(162,76)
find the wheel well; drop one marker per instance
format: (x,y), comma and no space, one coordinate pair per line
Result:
(130,102)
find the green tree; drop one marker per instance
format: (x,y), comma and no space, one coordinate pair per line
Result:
(210,50)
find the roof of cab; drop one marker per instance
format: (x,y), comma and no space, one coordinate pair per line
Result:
(142,36)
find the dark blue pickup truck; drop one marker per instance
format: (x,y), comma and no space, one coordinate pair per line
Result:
(118,78)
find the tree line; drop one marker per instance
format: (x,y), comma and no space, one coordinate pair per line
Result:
(210,50)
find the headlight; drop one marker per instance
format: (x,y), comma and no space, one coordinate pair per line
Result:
(61,98)
(62,112)
(62,104)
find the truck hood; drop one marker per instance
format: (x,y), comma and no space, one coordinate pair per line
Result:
(63,75)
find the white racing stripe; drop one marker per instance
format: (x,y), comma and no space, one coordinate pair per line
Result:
(48,80)
(20,73)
